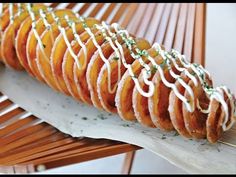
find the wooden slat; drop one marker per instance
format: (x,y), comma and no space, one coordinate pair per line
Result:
(54,5)
(119,13)
(17,124)
(78,147)
(11,114)
(154,23)
(24,133)
(179,35)
(4,104)
(138,16)
(28,139)
(146,19)
(94,12)
(108,11)
(17,158)
(84,8)
(57,136)
(91,155)
(131,10)
(170,32)
(71,5)
(199,35)
(188,42)
(164,22)
(128,162)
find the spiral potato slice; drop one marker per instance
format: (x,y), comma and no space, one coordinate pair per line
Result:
(106,98)
(94,68)
(59,49)
(157,103)
(23,34)
(175,111)
(195,122)
(125,89)
(4,22)
(68,65)
(8,39)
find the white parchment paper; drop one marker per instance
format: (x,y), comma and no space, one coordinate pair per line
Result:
(78,119)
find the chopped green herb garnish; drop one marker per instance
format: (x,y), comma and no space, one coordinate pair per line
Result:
(163,137)
(84,118)
(176,134)
(126,125)
(154,69)
(116,58)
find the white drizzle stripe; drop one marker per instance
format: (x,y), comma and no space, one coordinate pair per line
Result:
(103,28)
(212,93)
(189,106)
(148,70)
(11,15)
(205,111)
(77,37)
(32,16)
(46,24)
(1,13)
(19,9)
(63,32)
(101,55)
(1,9)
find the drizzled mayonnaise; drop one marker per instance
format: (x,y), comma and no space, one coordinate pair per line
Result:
(213,93)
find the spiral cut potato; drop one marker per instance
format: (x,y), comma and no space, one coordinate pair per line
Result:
(103,65)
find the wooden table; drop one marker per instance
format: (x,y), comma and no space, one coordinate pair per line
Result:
(29,145)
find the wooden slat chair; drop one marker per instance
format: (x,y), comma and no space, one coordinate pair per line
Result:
(29,144)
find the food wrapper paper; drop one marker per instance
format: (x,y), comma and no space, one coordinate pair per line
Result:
(78,119)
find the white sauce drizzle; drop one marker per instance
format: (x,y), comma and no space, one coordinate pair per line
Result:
(77,37)
(11,15)
(46,24)
(216,93)
(101,54)
(19,9)
(1,13)
(41,45)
